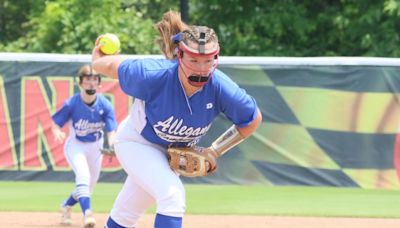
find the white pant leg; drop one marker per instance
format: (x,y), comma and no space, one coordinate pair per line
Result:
(76,158)
(85,160)
(148,168)
(94,159)
(128,207)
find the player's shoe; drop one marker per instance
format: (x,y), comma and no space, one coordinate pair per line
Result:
(88,220)
(66,215)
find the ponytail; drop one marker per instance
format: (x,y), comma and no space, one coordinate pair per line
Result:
(170,25)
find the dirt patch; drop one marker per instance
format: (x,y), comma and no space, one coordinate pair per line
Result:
(36,219)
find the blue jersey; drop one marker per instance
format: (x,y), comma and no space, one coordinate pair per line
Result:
(87,121)
(170,117)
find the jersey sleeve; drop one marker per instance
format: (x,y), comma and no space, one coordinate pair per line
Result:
(63,115)
(109,117)
(133,79)
(238,106)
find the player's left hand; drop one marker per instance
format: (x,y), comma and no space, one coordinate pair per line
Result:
(192,161)
(108,151)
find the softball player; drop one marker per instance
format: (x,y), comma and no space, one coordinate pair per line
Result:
(87,113)
(176,99)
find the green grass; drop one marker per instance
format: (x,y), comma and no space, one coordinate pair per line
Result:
(221,199)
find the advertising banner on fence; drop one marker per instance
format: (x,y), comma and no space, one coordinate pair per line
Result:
(324,124)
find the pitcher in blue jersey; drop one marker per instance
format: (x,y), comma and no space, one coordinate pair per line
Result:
(176,100)
(87,114)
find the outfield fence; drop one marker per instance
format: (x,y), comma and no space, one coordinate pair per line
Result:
(327,121)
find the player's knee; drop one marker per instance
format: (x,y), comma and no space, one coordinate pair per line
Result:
(81,191)
(173,204)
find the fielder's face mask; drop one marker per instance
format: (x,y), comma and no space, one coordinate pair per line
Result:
(91,76)
(201,62)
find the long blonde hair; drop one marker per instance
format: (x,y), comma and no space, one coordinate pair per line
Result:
(172,24)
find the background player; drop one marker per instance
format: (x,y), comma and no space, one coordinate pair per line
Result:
(175,102)
(87,114)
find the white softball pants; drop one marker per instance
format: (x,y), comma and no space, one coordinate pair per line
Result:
(85,160)
(150,180)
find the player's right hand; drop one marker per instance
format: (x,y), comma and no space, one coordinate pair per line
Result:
(96,53)
(59,136)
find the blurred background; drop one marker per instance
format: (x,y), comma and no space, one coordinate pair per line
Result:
(245,28)
(327,121)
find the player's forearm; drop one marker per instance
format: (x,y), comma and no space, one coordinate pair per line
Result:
(55,127)
(107,65)
(234,135)
(252,127)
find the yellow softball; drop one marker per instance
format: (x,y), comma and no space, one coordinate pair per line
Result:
(110,44)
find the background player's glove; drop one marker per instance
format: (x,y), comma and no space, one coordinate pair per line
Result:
(192,161)
(108,151)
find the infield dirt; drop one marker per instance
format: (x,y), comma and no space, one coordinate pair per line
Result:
(48,219)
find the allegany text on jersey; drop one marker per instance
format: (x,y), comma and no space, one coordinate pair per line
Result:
(83,127)
(173,130)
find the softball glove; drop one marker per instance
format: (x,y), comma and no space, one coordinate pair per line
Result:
(192,161)
(108,151)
